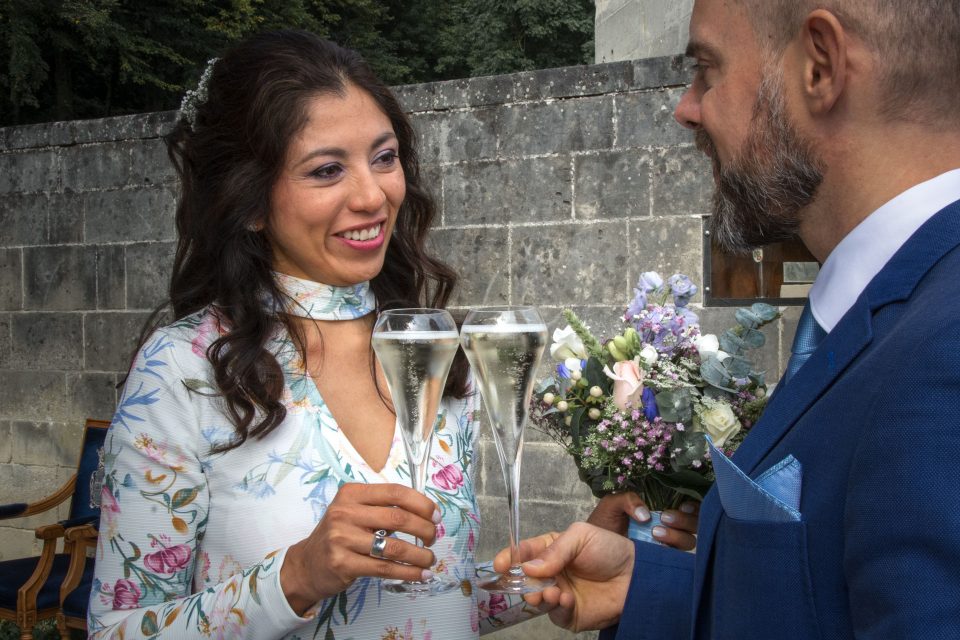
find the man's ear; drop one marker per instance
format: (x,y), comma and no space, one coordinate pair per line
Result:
(824,43)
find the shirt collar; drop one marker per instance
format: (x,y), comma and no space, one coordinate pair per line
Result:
(864,251)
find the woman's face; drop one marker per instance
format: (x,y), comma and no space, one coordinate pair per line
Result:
(336,200)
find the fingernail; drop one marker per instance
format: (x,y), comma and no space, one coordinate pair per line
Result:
(436,516)
(667,517)
(659,532)
(426,574)
(642,513)
(687,507)
(535,563)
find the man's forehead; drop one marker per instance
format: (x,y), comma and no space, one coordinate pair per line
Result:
(716,27)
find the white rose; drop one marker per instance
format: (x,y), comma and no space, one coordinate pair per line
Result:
(707,344)
(567,344)
(649,354)
(720,423)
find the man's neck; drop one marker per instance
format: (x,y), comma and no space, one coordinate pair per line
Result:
(867,171)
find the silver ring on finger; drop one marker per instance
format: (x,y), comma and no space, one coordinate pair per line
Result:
(379,543)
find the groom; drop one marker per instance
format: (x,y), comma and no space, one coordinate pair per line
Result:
(838,120)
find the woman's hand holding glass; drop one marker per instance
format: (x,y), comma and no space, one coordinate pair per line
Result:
(338,551)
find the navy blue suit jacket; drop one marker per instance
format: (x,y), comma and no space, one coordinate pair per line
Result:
(874,418)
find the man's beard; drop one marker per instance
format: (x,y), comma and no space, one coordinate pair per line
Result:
(759,194)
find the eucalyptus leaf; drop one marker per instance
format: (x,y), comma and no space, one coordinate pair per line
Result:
(731,342)
(764,311)
(747,318)
(714,372)
(675,405)
(738,366)
(753,338)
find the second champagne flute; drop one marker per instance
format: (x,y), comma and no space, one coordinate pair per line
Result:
(415,348)
(504,346)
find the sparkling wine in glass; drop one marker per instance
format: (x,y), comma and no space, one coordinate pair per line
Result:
(415,348)
(504,346)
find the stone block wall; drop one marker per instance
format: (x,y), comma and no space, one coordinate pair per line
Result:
(557,188)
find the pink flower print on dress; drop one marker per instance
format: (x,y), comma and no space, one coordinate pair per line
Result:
(498,603)
(450,478)
(126,594)
(226,620)
(441,531)
(168,561)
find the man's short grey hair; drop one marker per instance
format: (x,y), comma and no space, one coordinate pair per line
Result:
(916,46)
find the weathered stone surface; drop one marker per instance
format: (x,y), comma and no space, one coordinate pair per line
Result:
(682,182)
(612,184)
(32,395)
(5,339)
(580,124)
(502,191)
(645,119)
(457,136)
(569,263)
(111,277)
(44,443)
(547,473)
(540,628)
(29,171)
(148,273)
(91,395)
(109,339)
(5,445)
(479,256)
(11,279)
(130,215)
(536,517)
(47,341)
(666,245)
(60,278)
(98,166)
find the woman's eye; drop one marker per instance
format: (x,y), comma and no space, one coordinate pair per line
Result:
(327,171)
(387,158)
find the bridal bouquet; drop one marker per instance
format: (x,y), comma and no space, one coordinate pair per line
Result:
(633,410)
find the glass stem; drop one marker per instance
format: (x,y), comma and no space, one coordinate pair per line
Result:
(418,480)
(511,478)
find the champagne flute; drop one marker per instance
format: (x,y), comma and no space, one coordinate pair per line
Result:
(504,346)
(415,348)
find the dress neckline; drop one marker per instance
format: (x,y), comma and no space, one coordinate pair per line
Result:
(319,301)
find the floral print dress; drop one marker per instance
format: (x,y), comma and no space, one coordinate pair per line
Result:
(191,543)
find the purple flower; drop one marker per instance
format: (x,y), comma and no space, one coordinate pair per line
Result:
(650,409)
(637,305)
(682,289)
(563,372)
(649,281)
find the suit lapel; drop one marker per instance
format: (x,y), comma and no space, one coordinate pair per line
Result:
(896,281)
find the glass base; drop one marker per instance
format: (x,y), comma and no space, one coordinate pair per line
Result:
(516,583)
(436,584)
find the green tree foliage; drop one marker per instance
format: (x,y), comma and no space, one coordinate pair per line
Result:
(70,59)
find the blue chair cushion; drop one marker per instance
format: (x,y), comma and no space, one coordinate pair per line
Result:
(75,604)
(13,573)
(13,509)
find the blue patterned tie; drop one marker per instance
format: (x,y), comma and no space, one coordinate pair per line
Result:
(805,341)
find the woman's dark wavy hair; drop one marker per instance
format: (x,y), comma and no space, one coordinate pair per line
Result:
(228,160)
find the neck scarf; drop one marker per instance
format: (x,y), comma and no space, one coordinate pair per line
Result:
(318,301)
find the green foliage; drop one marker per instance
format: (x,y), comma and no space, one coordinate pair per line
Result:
(71,59)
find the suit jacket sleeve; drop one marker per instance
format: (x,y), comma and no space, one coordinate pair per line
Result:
(659,602)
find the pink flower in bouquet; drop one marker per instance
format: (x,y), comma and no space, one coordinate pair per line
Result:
(168,561)
(450,478)
(126,594)
(627,379)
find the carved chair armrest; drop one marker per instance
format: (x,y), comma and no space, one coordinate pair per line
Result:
(21,510)
(49,532)
(79,538)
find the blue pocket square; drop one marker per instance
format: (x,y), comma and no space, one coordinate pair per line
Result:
(773,497)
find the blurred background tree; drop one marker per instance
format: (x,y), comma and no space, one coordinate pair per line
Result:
(73,59)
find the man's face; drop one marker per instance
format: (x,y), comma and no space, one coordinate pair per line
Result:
(765,171)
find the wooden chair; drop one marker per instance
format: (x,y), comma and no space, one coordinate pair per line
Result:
(30,587)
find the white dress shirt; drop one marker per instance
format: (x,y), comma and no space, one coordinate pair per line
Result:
(864,251)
